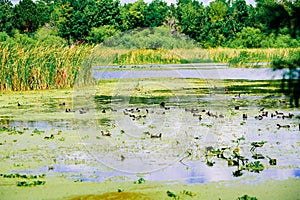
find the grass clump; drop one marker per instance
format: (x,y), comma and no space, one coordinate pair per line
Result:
(31,66)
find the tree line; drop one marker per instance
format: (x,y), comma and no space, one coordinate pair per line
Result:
(221,23)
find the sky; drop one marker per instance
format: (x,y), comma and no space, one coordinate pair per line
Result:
(205,2)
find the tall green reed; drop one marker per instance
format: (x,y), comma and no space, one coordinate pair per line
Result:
(30,67)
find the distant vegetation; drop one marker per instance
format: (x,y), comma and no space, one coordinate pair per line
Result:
(221,23)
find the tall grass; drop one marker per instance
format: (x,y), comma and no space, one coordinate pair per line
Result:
(29,67)
(235,57)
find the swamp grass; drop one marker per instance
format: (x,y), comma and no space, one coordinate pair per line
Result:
(235,57)
(36,67)
(31,67)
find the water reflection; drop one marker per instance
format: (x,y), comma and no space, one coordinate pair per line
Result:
(196,173)
(229,73)
(38,124)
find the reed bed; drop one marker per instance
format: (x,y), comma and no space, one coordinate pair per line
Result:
(43,67)
(236,57)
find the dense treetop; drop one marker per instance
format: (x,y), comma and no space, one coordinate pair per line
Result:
(227,23)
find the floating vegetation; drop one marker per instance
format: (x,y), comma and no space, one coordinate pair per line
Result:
(257,144)
(140,181)
(24,176)
(246,197)
(189,193)
(172,194)
(236,159)
(255,166)
(11,131)
(37,131)
(29,184)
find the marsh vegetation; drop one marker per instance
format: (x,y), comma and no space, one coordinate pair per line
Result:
(136,131)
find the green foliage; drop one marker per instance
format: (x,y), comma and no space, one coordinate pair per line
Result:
(217,11)
(155,13)
(30,65)
(248,38)
(134,15)
(6,16)
(150,38)
(3,36)
(75,19)
(26,16)
(270,24)
(102,33)
(48,37)
(192,18)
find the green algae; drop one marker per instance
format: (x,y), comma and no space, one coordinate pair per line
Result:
(69,146)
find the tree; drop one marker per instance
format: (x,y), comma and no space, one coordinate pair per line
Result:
(6,16)
(249,37)
(26,16)
(108,13)
(295,18)
(45,8)
(272,15)
(217,11)
(75,19)
(155,13)
(240,14)
(133,15)
(192,19)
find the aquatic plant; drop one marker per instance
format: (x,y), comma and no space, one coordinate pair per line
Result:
(34,67)
(246,197)
(172,194)
(140,181)
(29,184)
(255,166)
(189,193)
(17,175)
(11,130)
(37,131)
(257,144)
(235,57)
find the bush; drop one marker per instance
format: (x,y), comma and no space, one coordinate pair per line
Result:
(281,41)
(48,37)
(99,34)
(149,38)
(248,38)
(3,36)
